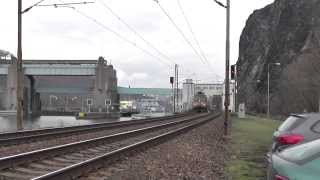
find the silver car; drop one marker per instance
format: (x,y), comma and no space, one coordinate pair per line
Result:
(296,129)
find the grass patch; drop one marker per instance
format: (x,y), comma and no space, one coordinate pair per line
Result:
(251,140)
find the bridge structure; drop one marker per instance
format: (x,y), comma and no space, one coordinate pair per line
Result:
(52,67)
(100,94)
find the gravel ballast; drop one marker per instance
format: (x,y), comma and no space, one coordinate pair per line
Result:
(60,140)
(58,162)
(198,154)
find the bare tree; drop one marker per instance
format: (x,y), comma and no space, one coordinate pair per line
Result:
(298,90)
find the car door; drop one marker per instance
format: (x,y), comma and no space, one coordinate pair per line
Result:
(285,135)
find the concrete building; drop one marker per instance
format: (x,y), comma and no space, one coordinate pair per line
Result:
(60,85)
(71,94)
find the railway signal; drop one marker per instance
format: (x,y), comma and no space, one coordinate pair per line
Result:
(233,72)
(20,88)
(173,94)
(171,80)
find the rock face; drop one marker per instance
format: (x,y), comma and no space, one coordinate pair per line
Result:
(287,31)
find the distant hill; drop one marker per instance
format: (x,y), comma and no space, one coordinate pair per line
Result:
(153,91)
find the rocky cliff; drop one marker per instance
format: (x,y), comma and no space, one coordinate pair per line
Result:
(287,31)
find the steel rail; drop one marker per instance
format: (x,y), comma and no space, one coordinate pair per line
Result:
(76,170)
(14,160)
(32,135)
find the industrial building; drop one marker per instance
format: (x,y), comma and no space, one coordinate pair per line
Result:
(60,86)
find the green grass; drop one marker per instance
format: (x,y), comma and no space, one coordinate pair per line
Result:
(251,140)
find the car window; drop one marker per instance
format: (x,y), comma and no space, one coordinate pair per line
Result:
(316,127)
(290,123)
(302,153)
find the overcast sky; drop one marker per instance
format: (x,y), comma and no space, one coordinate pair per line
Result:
(64,33)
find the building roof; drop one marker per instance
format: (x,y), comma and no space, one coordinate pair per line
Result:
(4,53)
(148,91)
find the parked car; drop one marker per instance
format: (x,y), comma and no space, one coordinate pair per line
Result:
(296,129)
(299,162)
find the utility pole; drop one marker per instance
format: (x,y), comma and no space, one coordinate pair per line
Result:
(235,90)
(173,97)
(174,88)
(19,70)
(319,105)
(227,83)
(177,85)
(172,85)
(20,77)
(268,94)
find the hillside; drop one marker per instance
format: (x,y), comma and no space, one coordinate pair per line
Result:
(286,31)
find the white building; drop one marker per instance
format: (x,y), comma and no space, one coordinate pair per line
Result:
(210,90)
(187,94)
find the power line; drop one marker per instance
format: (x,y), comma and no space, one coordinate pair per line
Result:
(220,4)
(179,30)
(185,38)
(192,32)
(32,6)
(196,40)
(114,32)
(120,36)
(65,4)
(136,33)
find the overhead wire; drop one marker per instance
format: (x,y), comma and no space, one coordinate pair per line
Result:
(32,6)
(65,4)
(195,38)
(136,32)
(116,34)
(192,32)
(180,31)
(140,36)
(220,3)
(120,36)
(186,39)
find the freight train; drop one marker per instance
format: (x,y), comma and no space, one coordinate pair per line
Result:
(200,102)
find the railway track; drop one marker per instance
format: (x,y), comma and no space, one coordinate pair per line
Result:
(72,160)
(28,136)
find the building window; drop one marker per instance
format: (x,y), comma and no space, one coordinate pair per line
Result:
(89,102)
(107,102)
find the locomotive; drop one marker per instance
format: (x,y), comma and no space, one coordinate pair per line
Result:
(200,102)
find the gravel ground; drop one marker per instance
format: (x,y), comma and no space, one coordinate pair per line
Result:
(31,146)
(199,154)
